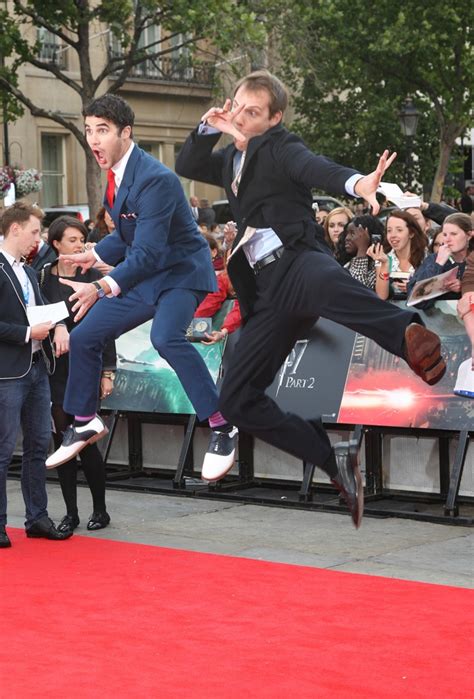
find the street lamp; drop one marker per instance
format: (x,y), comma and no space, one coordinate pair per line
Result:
(408,116)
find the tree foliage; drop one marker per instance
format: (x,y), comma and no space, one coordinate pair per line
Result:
(185,24)
(352,63)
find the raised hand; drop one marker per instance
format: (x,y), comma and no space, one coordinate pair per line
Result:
(222,118)
(367,186)
(85,295)
(84,260)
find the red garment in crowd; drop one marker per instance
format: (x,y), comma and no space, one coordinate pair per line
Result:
(213,302)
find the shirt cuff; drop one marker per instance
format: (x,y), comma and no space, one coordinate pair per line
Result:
(28,333)
(114,287)
(351,183)
(206,130)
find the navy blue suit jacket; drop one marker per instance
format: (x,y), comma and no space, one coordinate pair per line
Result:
(156,234)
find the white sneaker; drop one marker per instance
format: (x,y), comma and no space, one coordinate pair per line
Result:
(220,455)
(75,439)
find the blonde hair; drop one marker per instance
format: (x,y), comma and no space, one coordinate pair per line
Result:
(334,212)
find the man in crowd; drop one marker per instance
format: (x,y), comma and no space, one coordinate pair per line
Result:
(26,358)
(283,275)
(165,274)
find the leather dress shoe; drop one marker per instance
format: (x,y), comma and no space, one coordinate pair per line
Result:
(68,523)
(5,542)
(422,351)
(45,528)
(348,479)
(98,520)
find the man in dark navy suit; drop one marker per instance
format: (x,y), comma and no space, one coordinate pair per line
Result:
(165,273)
(26,358)
(283,273)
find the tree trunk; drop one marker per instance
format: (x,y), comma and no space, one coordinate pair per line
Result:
(95,193)
(445,148)
(449,133)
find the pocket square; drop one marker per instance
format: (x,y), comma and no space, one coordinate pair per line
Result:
(128,216)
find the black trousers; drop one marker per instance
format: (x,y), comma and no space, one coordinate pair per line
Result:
(314,286)
(92,465)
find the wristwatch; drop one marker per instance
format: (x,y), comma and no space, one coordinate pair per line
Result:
(100,291)
(108,375)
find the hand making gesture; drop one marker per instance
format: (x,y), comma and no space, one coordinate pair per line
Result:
(367,186)
(222,118)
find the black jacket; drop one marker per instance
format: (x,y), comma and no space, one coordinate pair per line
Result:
(275,191)
(15,353)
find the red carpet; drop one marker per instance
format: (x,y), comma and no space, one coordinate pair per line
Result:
(92,618)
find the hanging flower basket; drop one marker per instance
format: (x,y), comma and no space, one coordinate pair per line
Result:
(7,177)
(25,181)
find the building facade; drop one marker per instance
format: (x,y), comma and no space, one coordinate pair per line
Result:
(168,97)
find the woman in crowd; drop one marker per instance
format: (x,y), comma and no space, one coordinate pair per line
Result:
(66,236)
(466,303)
(103,226)
(334,224)
(436,241)
(351,250)
(456,242)
(401,253)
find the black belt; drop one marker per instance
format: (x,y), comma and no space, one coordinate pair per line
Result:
(36,356)
(268,259)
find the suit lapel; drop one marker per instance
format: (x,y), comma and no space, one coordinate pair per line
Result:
(125,185)
(252,148)
(5,265)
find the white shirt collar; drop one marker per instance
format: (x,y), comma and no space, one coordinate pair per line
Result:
(11,259)
(119,168)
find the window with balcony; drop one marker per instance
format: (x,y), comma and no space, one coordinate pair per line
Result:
(52,157)
(51,50)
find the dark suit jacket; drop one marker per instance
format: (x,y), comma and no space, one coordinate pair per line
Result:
(275,191)
(15,354)
(156,234)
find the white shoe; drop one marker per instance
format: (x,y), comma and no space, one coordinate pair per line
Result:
(75,439)
(220,455)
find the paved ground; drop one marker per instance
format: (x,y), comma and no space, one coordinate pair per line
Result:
(398,548)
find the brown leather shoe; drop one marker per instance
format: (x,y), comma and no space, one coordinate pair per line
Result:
(422,352)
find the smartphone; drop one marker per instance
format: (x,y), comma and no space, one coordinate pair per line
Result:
(376,238)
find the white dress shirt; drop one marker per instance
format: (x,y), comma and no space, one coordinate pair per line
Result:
(27,289)
(119,170)
(265,240)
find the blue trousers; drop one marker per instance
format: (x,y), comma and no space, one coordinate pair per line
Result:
(26,402)
(111,317)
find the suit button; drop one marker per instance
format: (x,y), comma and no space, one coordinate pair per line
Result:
(243,221)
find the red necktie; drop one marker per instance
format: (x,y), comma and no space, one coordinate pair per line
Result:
(110,188)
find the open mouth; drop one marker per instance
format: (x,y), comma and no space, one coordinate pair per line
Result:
(100,157)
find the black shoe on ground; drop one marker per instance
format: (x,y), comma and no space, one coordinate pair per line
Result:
(75,439)
(98,520)
(45,528)
(348,479)
(68,523)
(5,542)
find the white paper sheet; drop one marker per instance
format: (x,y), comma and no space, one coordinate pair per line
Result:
(394,194)
(53,312)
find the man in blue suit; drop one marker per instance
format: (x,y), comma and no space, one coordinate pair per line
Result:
(165,273)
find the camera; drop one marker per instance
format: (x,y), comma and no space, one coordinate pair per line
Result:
(376,238)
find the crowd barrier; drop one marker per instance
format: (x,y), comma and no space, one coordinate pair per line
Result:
(346,378)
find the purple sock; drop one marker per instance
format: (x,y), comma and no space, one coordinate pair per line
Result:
(80,418)
(217,420)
